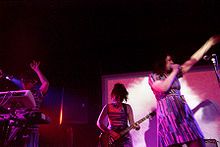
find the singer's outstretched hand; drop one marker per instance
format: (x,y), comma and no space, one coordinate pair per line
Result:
(214,39)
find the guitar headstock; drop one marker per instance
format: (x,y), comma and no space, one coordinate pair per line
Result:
(153,113)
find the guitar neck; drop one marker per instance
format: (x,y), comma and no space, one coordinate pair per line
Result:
(132,126)
(122,133)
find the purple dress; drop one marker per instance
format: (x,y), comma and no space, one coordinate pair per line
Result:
(175,121)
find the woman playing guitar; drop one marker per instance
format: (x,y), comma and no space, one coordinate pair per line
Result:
(118,114)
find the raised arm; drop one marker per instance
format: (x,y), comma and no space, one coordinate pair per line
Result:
(164,85)
(44,82)
(186,66)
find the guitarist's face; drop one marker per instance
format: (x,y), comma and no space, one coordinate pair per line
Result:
(116,99)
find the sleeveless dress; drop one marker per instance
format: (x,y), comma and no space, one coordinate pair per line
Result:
(118,121)
(175,121)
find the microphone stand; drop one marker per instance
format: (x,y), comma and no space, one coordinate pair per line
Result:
(215,65)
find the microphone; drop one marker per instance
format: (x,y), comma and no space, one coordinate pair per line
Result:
(215,61)
(207,57)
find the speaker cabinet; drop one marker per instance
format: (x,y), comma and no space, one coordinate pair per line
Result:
(75,108)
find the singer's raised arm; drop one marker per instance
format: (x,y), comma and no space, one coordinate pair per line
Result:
(186,66)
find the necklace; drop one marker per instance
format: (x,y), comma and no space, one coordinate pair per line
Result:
(117,105)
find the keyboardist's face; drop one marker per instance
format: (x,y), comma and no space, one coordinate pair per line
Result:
(27,85)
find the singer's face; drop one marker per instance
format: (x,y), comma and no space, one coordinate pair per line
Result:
(169,62)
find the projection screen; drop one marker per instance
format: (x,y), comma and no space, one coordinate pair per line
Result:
(199,86)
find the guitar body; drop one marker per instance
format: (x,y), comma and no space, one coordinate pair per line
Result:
(104,140)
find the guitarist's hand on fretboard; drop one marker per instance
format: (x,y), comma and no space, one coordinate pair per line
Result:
(136,126)
(110,136)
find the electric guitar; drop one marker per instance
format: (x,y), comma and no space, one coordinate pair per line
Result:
(105,139)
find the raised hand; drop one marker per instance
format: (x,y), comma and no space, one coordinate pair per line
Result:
(35,65)
(214,39)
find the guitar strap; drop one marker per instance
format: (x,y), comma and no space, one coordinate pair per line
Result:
(125,108)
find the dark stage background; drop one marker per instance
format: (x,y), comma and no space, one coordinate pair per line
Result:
(79,41)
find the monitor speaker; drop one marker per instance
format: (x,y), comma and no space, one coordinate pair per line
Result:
(211,143)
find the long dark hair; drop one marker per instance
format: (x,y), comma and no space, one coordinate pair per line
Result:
(159,65)
(119,91)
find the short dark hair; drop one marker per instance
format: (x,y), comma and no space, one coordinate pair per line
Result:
(28,77)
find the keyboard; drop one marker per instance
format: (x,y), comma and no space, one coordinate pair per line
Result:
(17,99)
(37,117)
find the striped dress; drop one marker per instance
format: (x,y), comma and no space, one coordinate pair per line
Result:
(175,121)
(118,121)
